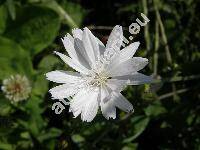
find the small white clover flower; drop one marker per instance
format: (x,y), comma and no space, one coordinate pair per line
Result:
(16,88)
(102,73)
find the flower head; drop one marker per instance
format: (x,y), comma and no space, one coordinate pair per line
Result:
(102,73)
(16,88)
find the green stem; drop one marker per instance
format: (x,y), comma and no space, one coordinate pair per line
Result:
(63,14)
(177,79)
(163,34)
(146,29)
(155,56)
(66,16)
(171,94)
(164,38)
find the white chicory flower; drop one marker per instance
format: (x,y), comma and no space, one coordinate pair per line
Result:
(102,73)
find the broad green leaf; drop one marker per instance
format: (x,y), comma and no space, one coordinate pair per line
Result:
(75,11)
(155,110)
(139,124)
(64,15)
(48,63)
(5,146)
(3,18)
(49,134)
(77,138)
(130,146)
(34,28)
(5,107)
(51,144)
(35,122)
(40,86)
(24,144)
(11,8)
(13,59)
(25,135)
(9,49)
(6,68)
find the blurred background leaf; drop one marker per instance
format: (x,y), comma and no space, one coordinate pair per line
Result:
(3,18)
(29,20)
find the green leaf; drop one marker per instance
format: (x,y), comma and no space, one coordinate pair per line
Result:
(40,86)
(63,14)
(139,124)
(155,110)
(35,122)
(3,18)
(12,58)
(51,133)
(11,8)
(9,49)
(6,68)
(5,121)
(70,13)
(5,107)
(5,146)
(77,138)
(74,10)
(130,146)
(48,63)
(34,28)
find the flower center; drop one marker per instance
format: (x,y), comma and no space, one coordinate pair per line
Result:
(99,79)
(16,88)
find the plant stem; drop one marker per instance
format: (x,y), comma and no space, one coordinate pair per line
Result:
(146,29)
(155,56)
(171,94)
(103,28)
(164,38)
(163,34)
(66,16)
(63,14)
(177,79)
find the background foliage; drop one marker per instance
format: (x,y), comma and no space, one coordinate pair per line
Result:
(166,114)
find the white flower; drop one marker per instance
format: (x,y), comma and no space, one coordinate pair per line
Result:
(16,88)
(102,73)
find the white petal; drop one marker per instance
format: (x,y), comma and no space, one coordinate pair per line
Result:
(73,63)
(101,47)
(121,102)
(90,108)
(78,101)
(69,46)
(77,33)
(115,39)
(81,53)
(128,51)
(75,48)
(108,109)
(85,103)
(70,38)
(116,85)
(128,67)
(91,45)
(135,79)
(63,91)
(63,76)
(105,93)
